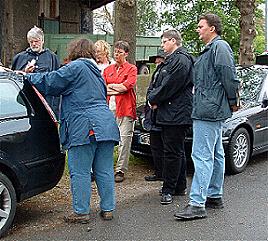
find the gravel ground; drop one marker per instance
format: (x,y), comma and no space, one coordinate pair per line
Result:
(46,211)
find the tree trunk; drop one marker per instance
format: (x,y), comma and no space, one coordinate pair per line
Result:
(125,25)
(248,31)
(1,28)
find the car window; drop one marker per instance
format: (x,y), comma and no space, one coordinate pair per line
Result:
(251,83)
(264,90)
(11,103)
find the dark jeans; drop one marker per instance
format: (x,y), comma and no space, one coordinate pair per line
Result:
(157,150)
(174,165)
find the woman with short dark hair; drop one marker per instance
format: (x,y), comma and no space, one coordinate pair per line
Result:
(88,129)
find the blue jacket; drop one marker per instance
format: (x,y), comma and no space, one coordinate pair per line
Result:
(215,82)
(84,105)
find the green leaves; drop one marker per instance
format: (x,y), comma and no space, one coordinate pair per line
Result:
(183,15)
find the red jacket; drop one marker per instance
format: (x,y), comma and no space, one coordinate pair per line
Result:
(127,74)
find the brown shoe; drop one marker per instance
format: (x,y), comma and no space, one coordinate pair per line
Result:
(77,218)
(106,215)
(119,177)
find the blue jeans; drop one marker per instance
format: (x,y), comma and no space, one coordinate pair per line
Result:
(99,157)
(208,158)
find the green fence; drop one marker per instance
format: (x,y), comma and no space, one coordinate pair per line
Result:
(145,46)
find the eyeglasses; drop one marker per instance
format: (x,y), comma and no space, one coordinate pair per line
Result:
(118,52)
(166,40)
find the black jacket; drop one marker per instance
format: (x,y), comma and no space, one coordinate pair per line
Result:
(172,89)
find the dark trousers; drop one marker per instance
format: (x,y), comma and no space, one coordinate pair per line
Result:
(174,165)
(157,150)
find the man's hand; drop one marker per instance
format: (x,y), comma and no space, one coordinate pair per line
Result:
(153,107)
(29,68)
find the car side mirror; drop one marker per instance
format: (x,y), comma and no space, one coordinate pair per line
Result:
(264,102)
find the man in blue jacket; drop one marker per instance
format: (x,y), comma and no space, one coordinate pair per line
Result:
(37,59)
(215,95)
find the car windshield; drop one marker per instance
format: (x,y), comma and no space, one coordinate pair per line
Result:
(251,81)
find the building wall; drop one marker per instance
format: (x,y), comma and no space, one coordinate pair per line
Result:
(22,23)
(18,16)
(70,19)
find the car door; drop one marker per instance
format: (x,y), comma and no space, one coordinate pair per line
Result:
(14,127)
(260,120)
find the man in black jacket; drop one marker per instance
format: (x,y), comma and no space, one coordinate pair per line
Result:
(171,100)
(36,59)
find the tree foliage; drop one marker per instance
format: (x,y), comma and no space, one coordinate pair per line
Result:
(147,17)
(183,15)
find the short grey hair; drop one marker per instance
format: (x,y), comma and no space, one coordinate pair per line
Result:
(36,33)
(173,33)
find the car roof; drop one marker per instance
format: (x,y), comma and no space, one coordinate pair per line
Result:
(255,66)
(11,76)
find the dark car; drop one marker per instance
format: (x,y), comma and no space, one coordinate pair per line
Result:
(31,160)
(244,134)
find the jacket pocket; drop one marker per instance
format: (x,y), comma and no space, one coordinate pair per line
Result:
(207,105)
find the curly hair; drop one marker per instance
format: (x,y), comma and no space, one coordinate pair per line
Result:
(103,47)
(81,48)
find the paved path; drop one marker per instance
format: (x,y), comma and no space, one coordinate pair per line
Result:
(142,217)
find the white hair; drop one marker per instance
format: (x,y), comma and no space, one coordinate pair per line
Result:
(35,32)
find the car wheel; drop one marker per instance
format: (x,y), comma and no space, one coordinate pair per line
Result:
(238,152)
(7,203)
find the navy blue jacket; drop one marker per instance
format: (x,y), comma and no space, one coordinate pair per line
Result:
(215,82)
(46,61)
(84,106)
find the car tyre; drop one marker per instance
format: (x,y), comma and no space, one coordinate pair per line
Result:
(8,203)
(238,152)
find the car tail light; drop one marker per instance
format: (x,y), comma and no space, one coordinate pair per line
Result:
(48,108)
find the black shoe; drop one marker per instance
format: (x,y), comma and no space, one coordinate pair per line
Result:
(191,212)
(177,193)
(166,199)
(153,178)
(215,203)
(119,177)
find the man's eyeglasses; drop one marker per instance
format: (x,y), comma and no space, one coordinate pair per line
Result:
(166,40)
